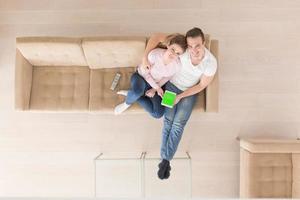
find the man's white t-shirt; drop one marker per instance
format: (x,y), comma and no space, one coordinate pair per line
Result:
(190,75)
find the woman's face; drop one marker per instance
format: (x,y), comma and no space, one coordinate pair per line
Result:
(173,51)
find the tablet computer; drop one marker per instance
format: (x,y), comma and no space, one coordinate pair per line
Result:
(168,99)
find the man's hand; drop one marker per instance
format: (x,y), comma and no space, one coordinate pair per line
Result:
(150,93)
(160,92)
(178,98)
(153,41)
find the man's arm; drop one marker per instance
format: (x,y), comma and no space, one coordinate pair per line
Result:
(153,41)
(204,82)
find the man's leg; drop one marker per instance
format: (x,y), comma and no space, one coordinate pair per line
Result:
(182,115)
(168,121)
(164,165)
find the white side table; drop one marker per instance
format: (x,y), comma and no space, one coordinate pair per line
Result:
(134,175)
(118,175)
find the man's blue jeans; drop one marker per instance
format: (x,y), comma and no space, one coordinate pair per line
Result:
(137,94)
(175,120)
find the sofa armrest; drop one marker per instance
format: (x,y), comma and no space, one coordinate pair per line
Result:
(245,174)
(23,82)
(271,145)
(212,90)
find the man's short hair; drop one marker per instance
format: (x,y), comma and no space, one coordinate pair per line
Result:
(195,32)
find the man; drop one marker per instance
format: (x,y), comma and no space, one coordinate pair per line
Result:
(198,69)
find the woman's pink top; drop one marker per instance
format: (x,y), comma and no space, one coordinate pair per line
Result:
(159,73)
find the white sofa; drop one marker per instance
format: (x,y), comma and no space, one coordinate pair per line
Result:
(75,74)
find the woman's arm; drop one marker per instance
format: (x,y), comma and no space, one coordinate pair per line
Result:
(163,81)
(151,81)
(153,84)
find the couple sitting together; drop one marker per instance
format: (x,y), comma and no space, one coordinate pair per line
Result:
(186,68)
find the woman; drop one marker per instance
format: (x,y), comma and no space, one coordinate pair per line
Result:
(146,84)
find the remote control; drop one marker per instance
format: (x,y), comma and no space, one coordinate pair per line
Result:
(115,81)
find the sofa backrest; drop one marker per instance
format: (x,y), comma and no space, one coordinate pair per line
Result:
(207,41)
(52,51)
(111,52)
(95,52)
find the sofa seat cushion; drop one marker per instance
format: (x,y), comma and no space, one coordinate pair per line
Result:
(52,51)
(110,52)
(270,175)
(60,88)
(102,98)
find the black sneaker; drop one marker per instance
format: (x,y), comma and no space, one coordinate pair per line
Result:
(167,172)
(163,167)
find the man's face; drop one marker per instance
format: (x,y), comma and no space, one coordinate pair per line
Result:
(195,46)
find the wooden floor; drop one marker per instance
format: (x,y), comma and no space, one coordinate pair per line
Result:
(51,154)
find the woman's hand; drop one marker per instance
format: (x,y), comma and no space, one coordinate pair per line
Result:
(160,92)
(150,93)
